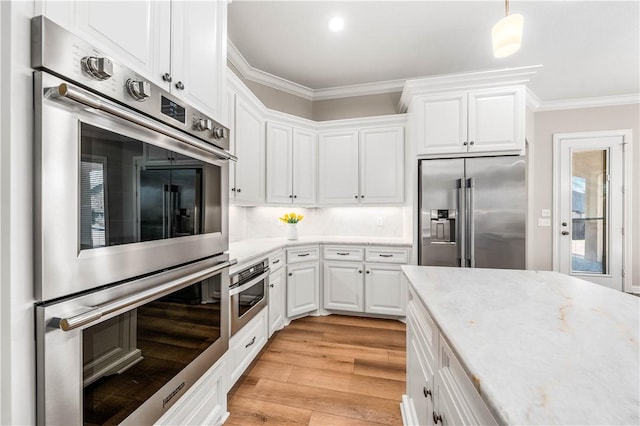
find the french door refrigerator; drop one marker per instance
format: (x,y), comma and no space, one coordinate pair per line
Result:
(473,212)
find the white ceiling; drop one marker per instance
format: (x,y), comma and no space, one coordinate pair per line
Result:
(587,48)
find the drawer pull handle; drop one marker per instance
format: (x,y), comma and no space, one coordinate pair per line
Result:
(276,261)
(251,342)
(303,254)
(436,418)
(427,392)
(385,255)
(343,254)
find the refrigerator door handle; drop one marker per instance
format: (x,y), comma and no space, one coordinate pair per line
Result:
(460,229)
(470,240)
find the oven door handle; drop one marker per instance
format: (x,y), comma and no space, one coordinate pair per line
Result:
(67,91)
(138,299)
(239,289)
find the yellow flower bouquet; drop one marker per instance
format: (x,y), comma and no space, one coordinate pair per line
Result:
(291,218)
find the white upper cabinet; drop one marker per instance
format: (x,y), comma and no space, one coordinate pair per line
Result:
(443,123)
(291,165)
(382,165)
(178,45)
(363,166)
(496,119)
(338,167)
(488,120)
(249,148)
(199,53)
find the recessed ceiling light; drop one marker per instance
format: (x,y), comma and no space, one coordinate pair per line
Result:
(336,24)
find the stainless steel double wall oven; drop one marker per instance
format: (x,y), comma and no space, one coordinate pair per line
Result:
(132,278)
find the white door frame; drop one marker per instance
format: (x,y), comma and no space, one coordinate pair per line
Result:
(627,263)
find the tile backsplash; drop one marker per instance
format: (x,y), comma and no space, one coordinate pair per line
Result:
(262,222)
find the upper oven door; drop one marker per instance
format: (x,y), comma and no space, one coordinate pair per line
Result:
(116,199)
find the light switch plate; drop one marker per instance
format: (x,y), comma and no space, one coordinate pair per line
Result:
(544,221)
(545,213)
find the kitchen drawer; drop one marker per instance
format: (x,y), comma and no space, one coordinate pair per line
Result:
(246,344)
(276,260)
(303,254)
(387,254)
(344,253)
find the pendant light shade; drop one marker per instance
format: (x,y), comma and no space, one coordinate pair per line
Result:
(507,34)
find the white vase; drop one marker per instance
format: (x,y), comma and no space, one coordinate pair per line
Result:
(292,231)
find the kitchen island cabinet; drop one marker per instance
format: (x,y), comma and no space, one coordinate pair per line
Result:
(519,347)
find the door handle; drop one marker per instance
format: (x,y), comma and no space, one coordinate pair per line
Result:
(460,229)
(565,232)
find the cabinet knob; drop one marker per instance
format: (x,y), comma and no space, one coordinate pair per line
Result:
(362,196)
(565,232)
(271,285)
(290,196)
(233,190)
(427,392)
(471,143)
(356,197)
(167,77)
(368,272)
(465,143)
(179,85)
(290,273)
(295,196)
(359,272)
(436,418)
(239,190)
(564,223)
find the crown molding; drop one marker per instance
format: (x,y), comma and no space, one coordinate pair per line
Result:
(601,101)
(265,78)
(532,100)
(389,86)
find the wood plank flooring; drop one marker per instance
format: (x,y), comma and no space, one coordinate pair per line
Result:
(325,371)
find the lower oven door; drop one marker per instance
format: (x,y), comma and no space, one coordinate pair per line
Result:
(125,354)
(116,199)
(247,300)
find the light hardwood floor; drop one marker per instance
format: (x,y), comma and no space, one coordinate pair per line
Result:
(325,371)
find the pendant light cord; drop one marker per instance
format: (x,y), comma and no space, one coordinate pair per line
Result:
(506,7)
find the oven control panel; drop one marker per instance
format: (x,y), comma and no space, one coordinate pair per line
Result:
(62,53)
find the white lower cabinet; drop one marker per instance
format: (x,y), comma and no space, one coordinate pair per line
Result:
(343,286)
(385,289)
(276,300)
(205,403)
(355,285)
(245,345)
(439,390)
(303,280)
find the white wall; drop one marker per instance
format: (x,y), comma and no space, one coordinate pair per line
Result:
(262,222)
(17,367)
(578,120)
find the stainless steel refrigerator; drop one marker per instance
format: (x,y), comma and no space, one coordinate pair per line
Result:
(473,212)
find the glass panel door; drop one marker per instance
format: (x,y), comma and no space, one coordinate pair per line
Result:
(590,211)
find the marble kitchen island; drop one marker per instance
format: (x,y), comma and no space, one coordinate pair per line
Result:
(534,347)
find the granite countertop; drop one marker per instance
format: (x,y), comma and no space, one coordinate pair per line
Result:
(254,248)
(542,347)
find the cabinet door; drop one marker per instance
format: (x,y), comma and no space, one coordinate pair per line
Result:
(382,165)
(134,33)
(441,123)
(338,167)
(279,168)
(198,53)
(343,286)
(276,301)
(302,288)
(419,382)
(305,160)
(230,116)
(496,119)
(250,152)
(385,289)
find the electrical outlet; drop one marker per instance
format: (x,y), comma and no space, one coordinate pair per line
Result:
(545,213)
(544,221)
(379,221)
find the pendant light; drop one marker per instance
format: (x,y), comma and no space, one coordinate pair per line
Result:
(507,34)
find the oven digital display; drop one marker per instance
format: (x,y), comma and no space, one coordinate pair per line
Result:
(173,110)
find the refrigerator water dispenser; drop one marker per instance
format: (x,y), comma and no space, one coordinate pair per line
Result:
(443,226)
